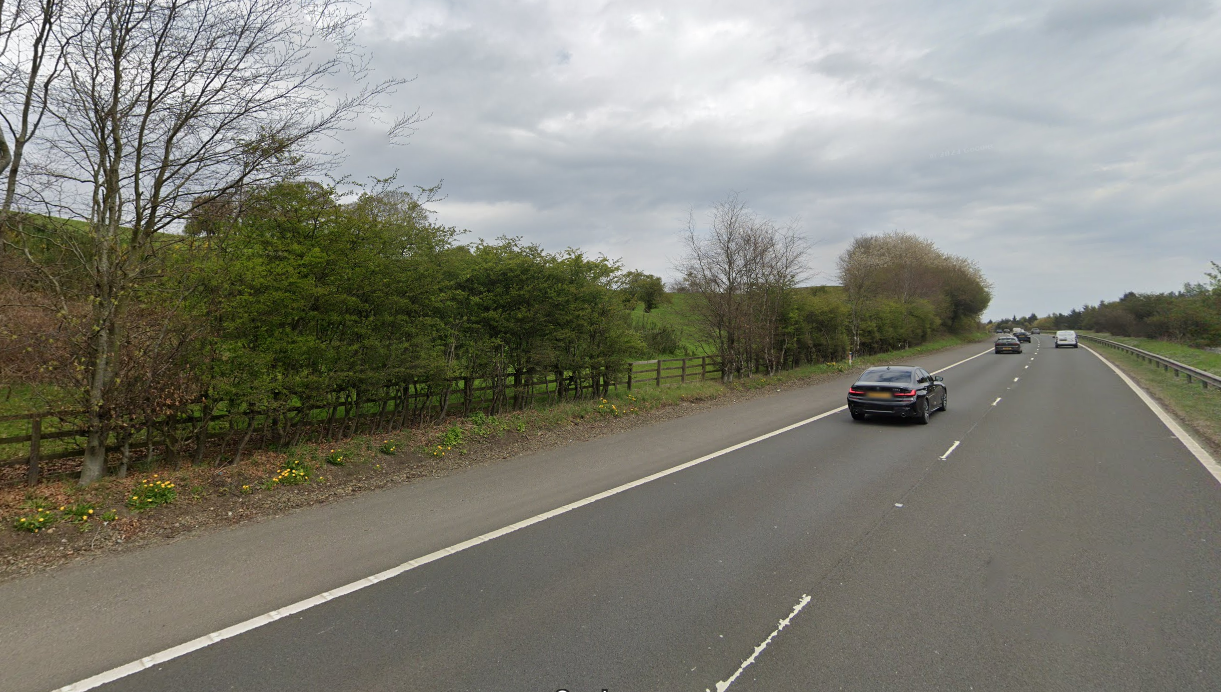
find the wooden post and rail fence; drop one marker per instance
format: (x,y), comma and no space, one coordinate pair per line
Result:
(373,416)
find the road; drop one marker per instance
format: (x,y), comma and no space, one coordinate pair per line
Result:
(1068,542)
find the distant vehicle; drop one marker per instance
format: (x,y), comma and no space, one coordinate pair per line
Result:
(1000,331)
(1021,335)
(1035,331)
(897,390)
(1008,344)
(1066,338)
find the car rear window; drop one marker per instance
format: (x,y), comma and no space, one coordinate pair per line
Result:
(900,376)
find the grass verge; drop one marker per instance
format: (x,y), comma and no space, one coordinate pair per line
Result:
(1187,355)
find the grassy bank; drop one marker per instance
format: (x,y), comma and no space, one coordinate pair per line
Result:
(1200,409)
(1187,355)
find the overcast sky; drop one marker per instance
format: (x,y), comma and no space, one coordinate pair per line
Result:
(1073,149)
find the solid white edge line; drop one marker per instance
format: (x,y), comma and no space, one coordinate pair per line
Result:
(723,685)
(950,451)
(267,618)
(1206,460)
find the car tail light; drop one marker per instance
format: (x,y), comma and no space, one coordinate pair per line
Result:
(857,392)
(905,392)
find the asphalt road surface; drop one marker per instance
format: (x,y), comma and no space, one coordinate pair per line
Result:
(1068,542)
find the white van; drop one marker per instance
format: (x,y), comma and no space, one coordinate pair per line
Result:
(1066,338)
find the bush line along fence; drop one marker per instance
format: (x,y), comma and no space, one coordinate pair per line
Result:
(1205,378)
(343,416)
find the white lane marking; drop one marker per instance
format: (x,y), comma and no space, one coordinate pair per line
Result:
(268,618)
(1016,379)
(1025,367)
(954,446)
(998,400)
(724,684)
(961,362)
(1206,460)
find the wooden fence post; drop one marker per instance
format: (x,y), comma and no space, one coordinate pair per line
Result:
(35,438)
(630,368)
(658,372)
(682,378)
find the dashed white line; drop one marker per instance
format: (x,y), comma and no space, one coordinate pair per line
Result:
(954,446)
(724,684)
(1016,379)
(998,400)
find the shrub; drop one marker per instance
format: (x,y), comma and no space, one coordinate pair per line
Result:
(294,472)
(336,457)
(150,493)
(36,522)
(81,511)
(453,437)
(485,426)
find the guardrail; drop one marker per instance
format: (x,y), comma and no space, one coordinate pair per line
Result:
(1206,378)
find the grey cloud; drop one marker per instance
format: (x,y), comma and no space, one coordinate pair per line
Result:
(1084,168)
(1093,16)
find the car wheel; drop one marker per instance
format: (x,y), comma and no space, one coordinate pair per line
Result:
(856,415)
(924,412)
(945,400)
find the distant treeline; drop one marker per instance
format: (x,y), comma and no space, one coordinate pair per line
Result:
(1191,316)
(897,290)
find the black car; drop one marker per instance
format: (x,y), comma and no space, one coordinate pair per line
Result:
(897,390)
(1008,344)
(1023,336)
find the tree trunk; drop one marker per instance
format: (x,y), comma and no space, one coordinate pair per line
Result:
(126,456)
(94,465)
(201,437)
(237,456)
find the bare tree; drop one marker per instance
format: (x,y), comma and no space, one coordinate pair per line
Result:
(743,270)
(31,33)
(168,105)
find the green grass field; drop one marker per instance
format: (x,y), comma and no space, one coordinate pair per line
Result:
(1187,355)
(679,315)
